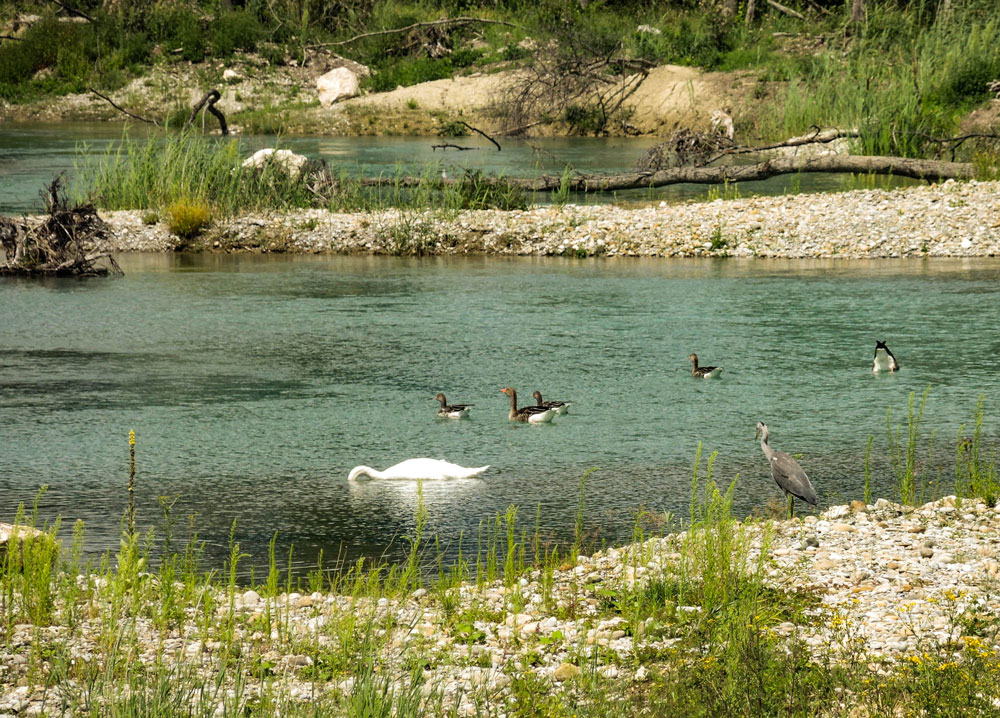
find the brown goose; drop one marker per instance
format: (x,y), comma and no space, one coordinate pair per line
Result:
(530,414)
(703,372)
(561,407)
(451,411)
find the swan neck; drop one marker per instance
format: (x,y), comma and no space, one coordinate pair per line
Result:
(364,470)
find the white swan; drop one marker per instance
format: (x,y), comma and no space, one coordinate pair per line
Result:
(418,469)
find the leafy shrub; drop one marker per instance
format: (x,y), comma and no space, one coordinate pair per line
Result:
(234,31)
(187,218)
(406,72)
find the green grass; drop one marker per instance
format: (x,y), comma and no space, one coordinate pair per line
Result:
(159,172)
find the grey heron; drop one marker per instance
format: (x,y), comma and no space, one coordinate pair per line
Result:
(884,360)
(786,472)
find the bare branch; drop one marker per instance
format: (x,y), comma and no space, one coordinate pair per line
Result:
(211,97)
(931,170)
(414,26)
(476,129)
(787,10)
(74,11)
(122,109)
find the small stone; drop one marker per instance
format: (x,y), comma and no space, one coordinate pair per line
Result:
(842,528)
(824,564)
(926,551)
(565,671)
(858,507)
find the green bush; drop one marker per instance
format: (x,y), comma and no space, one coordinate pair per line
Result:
(233,31)
(186,218)
(409,71)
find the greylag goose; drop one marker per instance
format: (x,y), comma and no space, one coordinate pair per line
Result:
(561,407)
(703,372)
(786,472)
(884,360)
(418,469)
(451,411)
(530,414)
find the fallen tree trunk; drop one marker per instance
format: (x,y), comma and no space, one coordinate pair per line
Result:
(931,170)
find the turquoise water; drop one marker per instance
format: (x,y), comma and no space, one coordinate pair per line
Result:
(31,155)
(254,384)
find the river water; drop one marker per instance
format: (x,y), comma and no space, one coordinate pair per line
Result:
(254,384)
(31,155)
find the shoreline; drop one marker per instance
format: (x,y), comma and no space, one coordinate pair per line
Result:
(886,585)
(951,219)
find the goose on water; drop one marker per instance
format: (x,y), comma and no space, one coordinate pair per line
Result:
(414,469)
(884,360)
(786,472)
(451,411)
(561,407)
(703,372)
(530,414)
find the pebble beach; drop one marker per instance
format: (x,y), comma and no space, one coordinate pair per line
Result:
(888,581)
(951,219)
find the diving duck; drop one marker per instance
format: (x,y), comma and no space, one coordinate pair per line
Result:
(530,414)
(561,407)
(414,469)
(451,411)
(884,360)
(703,372)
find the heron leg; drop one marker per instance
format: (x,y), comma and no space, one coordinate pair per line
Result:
(791,500)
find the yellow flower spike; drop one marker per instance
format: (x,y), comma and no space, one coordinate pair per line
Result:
(131,438)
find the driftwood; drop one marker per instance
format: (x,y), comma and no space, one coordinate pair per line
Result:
(787,10)
(60,245)
(211,97)
(479,131)
(931,170)
(449,146)
(415,26)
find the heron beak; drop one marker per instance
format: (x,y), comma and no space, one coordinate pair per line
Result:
(757,435)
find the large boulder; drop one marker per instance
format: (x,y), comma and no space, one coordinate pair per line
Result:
(338,84)
(285,160)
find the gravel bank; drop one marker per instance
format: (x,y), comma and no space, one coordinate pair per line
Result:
(890,581)
(952,219)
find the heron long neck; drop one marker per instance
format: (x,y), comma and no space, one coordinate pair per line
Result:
(768,451)
(694,362)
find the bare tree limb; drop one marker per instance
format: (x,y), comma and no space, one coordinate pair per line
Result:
(449,146)
(931,170)
(11,37)
(211,97)
(122,109)
(787,10)
(74,11)
(414,26)
(476,129)
(817,137)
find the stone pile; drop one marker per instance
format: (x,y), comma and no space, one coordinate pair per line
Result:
(952,219)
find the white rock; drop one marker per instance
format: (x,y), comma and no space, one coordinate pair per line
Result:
(285,159)
(338,84)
